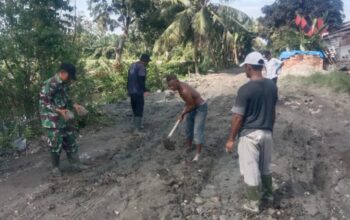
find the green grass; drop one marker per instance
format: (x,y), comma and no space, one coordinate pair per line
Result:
(338,81)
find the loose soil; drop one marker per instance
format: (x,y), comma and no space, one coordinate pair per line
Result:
(135,177)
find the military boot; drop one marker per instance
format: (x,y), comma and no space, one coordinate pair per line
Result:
(55,161)
(141,123)
(75,162)
(253,196)
(138,126)
(267,188)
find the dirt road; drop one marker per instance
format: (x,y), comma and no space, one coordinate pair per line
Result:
(135,178)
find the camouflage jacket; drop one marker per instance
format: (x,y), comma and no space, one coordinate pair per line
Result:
(53,95)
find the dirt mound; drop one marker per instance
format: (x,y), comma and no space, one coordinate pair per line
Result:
(133,177)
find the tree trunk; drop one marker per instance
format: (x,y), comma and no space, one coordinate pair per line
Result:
(119,50)
(235,54)
(213,57)
(223,48)
(120,47)
(195,57)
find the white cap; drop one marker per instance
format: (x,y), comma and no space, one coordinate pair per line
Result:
(254,58)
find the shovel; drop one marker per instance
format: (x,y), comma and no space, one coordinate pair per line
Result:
(168,144)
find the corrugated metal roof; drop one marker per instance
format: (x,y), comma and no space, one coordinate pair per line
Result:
(344,28)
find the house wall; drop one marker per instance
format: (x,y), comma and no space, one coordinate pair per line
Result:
(341,43)
(344,47)
(344,52)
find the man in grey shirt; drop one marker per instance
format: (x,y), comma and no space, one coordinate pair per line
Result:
(252,122)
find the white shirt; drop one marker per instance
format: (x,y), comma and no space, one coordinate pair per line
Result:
(272,68)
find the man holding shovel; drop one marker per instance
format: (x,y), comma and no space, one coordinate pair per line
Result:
(252,122)
(196,110)
(55,113)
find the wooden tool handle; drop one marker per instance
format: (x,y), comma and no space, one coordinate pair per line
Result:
(174,128)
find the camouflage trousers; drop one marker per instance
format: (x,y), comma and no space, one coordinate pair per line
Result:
(63,138)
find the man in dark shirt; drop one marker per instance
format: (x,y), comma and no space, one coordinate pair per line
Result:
(253,120)
(137,89)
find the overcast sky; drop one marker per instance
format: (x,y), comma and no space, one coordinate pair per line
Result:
(250,7)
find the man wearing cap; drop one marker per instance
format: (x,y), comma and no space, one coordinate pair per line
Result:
(252,123)
(137,89)
(55,114)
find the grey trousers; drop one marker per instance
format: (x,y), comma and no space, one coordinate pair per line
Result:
(255,150)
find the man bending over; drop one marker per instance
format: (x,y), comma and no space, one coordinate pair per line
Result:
(196,110)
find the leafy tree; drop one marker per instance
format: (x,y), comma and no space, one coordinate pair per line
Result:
(282,12)
(35,36)
(118,14)
(280,28)
(203,24)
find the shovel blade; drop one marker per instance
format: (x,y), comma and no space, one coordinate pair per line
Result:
(168,144)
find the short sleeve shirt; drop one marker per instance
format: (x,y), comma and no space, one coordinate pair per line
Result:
(136,70)
(256,102)
(272,68)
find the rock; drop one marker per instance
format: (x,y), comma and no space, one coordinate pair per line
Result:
(199,210)
(347,124)
(211,205)
(208,191)
(169,94)
(223,217)
(271,211)
(84,157)
(187,211)
(20,144)
(198,200)
(343,186)
(215,199)
(311,208)
(194,217)
(215,217)
(52,207)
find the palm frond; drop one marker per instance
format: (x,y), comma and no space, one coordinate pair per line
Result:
(186,3)
(202,22)
(175,33)
(232,19)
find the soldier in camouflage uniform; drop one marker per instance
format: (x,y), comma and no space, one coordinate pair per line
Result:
(55,117)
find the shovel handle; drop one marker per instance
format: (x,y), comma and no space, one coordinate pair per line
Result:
(172,130)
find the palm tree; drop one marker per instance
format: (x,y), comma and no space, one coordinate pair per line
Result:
(203,24)
(121,14)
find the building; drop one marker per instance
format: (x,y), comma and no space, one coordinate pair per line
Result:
(338,43)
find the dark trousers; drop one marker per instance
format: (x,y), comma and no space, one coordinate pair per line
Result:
(275,80)
(137,103)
